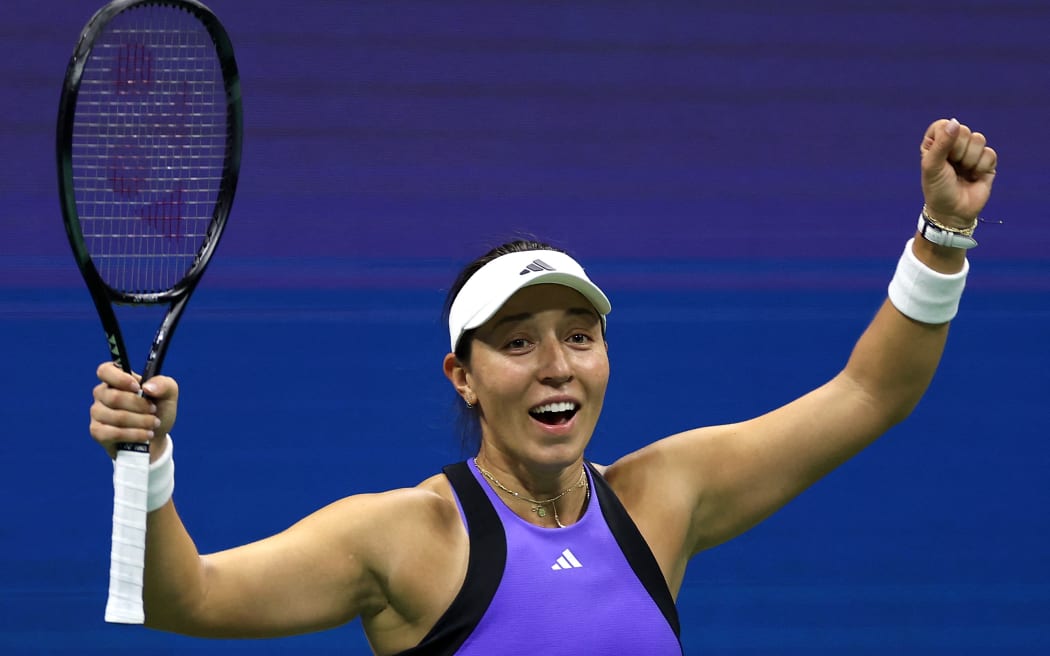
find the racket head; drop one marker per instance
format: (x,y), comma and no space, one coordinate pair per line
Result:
(149,140)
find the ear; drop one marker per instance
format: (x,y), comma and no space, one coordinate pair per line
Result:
(458,375)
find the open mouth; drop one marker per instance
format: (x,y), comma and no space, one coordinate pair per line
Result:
(554,414)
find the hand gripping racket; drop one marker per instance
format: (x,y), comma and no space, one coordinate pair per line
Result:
(149,147)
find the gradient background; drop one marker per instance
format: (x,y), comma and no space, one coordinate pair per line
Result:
(740,177)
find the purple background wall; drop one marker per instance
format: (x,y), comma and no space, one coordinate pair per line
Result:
(740,177)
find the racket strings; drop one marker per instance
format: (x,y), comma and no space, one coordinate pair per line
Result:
(149,147)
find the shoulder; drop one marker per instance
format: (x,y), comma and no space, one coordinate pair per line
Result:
(419,551)
(419,525)
(386,519)
(644,482)
(660,486)
(434,496)
(640,471)
(676,464)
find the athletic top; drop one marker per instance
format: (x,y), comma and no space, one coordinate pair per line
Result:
(591,588)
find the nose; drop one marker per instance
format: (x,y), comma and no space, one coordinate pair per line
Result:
(555,367)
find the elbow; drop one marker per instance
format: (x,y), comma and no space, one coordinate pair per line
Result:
(886,405)
(178,608)
(899,412)
(902,399)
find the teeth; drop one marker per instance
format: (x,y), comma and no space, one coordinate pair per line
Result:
(561,406)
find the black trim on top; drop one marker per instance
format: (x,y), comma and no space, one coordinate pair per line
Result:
(637,551)
(485,565)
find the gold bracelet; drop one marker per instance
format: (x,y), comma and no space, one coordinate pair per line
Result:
(968,232)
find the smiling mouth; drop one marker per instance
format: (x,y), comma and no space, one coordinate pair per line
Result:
(554,414)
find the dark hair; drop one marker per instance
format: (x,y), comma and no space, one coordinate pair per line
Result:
(468,419)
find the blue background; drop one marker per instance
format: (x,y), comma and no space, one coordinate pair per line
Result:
(740,177)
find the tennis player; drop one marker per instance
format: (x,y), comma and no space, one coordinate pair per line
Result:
(528,548)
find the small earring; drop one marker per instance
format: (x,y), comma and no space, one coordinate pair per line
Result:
(469,404)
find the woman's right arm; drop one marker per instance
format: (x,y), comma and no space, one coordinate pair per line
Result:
(321,572)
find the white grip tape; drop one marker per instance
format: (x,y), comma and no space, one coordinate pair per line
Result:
(139,487)
(128,551)
(923,294)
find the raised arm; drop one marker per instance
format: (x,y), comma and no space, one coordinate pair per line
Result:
(339,563)
(725,479)
(289,583)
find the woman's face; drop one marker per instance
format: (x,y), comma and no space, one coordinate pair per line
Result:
(539,369)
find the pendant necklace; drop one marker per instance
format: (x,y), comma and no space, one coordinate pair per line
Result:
(538,506)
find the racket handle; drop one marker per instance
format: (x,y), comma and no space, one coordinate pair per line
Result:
(127,556)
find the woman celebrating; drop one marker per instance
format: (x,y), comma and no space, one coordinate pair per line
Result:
(491,554)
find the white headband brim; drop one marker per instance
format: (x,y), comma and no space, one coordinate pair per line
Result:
(492,285)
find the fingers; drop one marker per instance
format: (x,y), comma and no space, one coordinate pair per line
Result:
(161,389)
(987,162)
(112,375)
(971,156)
(122,413)
(112,418)
(939,141)
(951,142)
(961,143)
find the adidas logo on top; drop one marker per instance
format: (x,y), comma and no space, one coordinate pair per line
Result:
(536,265)
(566,561)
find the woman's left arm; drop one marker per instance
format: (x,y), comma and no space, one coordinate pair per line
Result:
(728,478)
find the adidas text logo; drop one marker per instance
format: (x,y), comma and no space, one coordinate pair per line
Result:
(566,561)
(536,265)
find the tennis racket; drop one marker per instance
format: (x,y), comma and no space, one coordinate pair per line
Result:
(149,148)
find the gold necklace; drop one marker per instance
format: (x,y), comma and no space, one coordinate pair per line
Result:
(538,505)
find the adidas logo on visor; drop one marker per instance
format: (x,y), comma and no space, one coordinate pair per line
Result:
(536,265)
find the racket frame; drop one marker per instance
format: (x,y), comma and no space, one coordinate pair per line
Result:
(103,295)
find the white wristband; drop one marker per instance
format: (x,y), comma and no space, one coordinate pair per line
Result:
(161,479)
(919,292)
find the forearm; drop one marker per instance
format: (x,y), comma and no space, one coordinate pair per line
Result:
(896,357)
(739,474)
(765,462)
(174,583)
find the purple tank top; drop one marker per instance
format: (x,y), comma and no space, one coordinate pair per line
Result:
(569,591)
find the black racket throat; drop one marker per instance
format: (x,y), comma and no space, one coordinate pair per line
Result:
(104,304)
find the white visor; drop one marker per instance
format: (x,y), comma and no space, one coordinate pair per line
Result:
(488,289)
